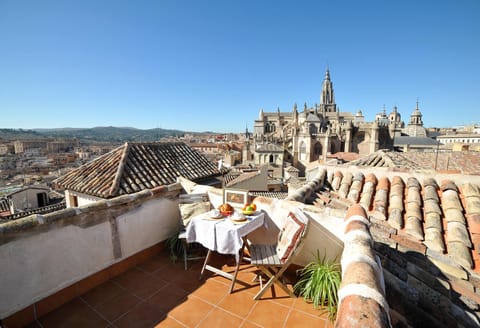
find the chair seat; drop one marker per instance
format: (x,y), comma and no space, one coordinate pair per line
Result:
(273,260)
(264,255)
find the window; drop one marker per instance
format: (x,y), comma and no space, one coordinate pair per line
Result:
(42,199)
(303,151)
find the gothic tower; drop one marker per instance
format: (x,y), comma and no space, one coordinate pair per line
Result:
(327,97)
(247,155)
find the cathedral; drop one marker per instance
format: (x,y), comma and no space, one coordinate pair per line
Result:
(298,136)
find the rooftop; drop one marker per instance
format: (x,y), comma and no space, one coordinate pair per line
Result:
(460,162)
(133,167)
(159,293)
(416,233)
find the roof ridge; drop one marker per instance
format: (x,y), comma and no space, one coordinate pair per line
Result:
(243,177)
(121,166)
(387,156)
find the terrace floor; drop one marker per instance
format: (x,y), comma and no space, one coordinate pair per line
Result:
(159,293)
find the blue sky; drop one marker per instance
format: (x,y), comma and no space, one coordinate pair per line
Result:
(212,65)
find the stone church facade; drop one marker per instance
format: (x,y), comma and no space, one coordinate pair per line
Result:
(302,136)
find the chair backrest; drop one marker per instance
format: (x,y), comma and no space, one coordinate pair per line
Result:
(291,235)
(191,205)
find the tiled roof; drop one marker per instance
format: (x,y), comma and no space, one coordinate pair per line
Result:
(441,216)
(230,177)
(292,169)
(414,141)
(362,301)
(137,166)
(346,156)
(242,178)
(464,162)
(385,158)
(40,210)
(269,194)
(425,239)
(460,162)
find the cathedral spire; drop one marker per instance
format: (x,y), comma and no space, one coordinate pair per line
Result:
(327,96)
(260,115)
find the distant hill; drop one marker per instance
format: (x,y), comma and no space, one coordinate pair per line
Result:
(107,133)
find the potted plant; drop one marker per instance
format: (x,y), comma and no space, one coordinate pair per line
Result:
(319,283)
(176,247)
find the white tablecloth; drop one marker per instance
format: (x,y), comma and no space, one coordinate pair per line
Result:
(222,236)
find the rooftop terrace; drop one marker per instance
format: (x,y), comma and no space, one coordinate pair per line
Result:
(106,262)
(159,293)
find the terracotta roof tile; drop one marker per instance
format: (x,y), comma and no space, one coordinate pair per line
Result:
(453,162)
(337,179)
(137,166)
(269,194)
(346,156)
(429,245)
(242,178)
(356,187)
(442,216)
(362,300)
(367,192)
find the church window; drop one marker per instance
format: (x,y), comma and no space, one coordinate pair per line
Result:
(303,151)
(317,150)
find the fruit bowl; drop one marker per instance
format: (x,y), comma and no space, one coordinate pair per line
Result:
(249,209)
(226,209)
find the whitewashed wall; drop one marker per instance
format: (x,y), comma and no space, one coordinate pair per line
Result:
(320,236)
(27,199)
(42,263)
(82,199)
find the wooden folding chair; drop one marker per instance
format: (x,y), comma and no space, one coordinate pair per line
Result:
(188,209)
(273,260)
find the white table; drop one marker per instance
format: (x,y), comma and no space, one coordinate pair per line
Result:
(222,236)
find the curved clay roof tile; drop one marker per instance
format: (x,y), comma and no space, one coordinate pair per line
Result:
(448,185)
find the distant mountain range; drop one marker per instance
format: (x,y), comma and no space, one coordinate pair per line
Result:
(101,133)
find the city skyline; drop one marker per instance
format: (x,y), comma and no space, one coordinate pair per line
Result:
(212,66)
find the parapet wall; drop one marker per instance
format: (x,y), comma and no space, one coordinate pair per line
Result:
(43,254)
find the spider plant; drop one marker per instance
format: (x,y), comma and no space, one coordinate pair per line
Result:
(319,283)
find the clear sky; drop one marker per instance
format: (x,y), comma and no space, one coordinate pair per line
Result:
(212,65)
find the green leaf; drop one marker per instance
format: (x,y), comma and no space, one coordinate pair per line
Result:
(319,283)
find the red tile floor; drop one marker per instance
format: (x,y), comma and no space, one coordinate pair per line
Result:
(159,293)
